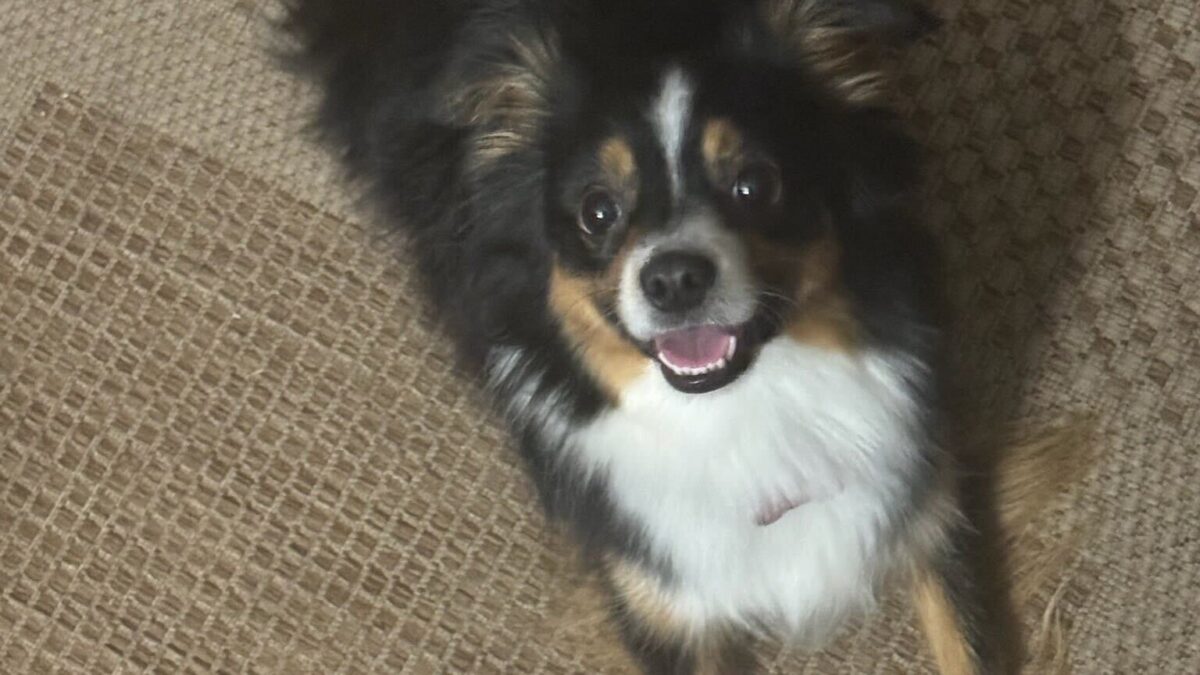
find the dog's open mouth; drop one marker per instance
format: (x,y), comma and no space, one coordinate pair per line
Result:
(704,358)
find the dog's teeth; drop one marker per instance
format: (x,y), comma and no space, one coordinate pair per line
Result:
(712,367)
(732,348)
(700,370)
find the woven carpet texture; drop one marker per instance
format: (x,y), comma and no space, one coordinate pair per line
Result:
(231,442)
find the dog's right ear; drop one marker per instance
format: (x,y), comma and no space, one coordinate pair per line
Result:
(896,21)
(899,21)
(847,42)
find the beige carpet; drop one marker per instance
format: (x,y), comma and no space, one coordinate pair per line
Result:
(230,443)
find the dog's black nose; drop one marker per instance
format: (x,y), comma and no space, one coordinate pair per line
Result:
(678,281)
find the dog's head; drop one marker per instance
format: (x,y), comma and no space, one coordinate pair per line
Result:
(706,169)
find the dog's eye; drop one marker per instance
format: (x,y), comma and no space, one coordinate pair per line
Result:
(598,212)
(757,185)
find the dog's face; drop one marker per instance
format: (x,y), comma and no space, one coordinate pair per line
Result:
(694,191)
(695,218)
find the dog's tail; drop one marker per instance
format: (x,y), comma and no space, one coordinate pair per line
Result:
(1032,475)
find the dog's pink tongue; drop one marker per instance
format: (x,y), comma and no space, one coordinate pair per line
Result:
(694,347)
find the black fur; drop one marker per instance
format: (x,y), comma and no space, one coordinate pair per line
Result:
(955,569)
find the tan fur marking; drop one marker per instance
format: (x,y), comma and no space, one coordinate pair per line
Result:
(716,652)
(824,319)
(1035,468)
(620,165)
(820,314)
(722,147)
(495,145)
(943,632)
(646,598)
(508,104)
(826,324)
(819,267)
(610,358)
(851,61)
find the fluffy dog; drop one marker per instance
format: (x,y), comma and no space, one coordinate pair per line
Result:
(675,239)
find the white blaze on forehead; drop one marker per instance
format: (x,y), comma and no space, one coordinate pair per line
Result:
(671,113)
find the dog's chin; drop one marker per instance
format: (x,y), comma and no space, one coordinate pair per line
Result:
(704,358)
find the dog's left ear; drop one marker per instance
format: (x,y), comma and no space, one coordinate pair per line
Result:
(500,88)
(848,42)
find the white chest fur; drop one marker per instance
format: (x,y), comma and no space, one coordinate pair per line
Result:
(836,433)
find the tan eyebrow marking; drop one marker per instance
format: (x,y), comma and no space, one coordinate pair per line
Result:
(723,147)
(619,163)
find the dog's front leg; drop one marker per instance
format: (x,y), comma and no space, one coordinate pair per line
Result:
(951,604)
(659,640)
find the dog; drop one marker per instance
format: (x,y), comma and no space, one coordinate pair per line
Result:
(677,242)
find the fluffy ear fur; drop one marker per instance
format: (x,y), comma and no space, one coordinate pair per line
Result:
(847,41)
(898,20)
(502,91)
